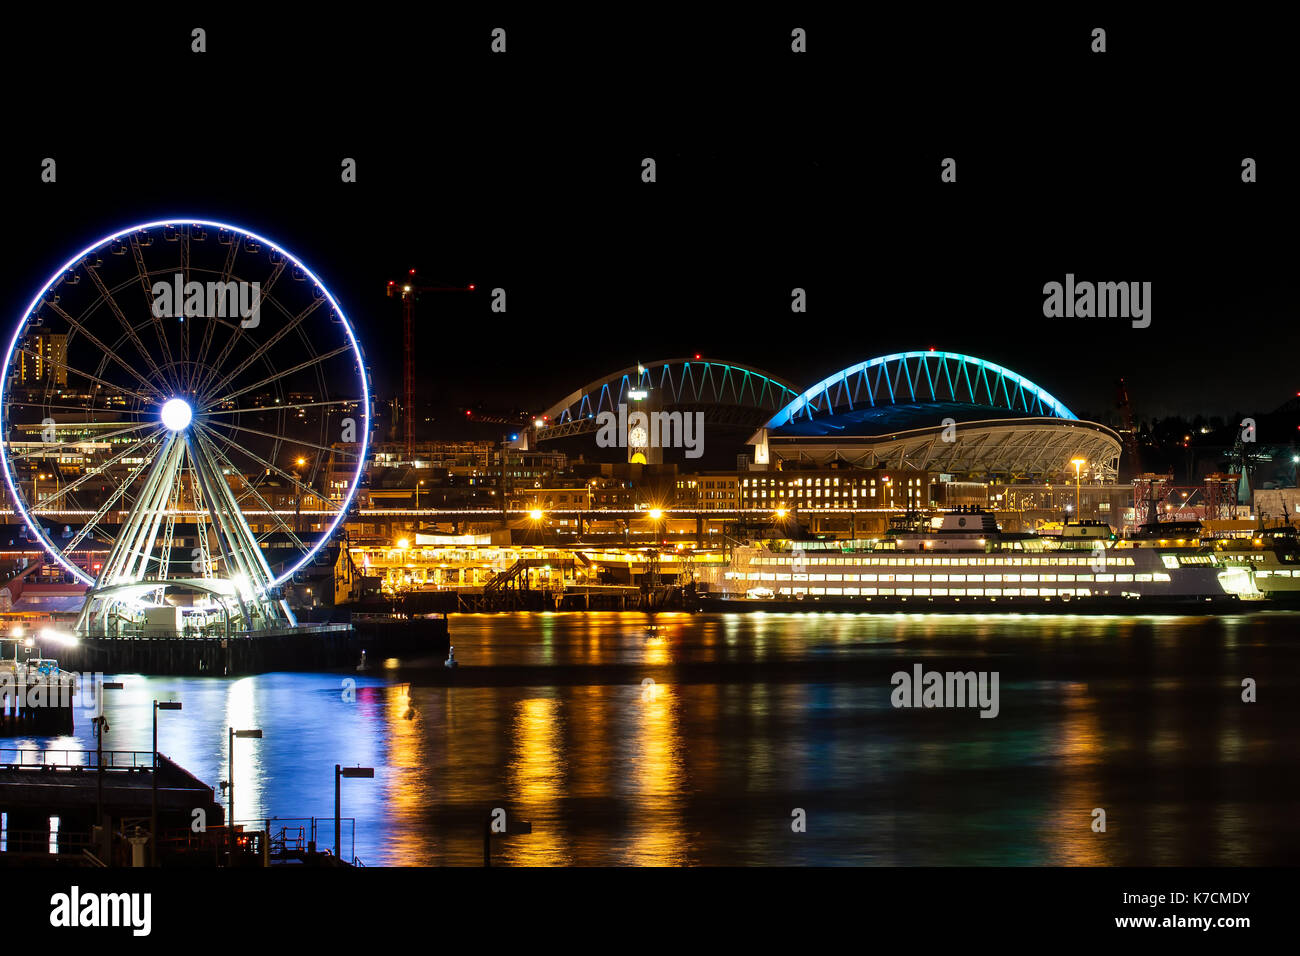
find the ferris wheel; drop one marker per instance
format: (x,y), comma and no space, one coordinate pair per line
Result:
(185,419)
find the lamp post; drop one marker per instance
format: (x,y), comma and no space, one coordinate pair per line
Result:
(339,773)
(230,784)
(100,724)
(153,833)
(1078,463)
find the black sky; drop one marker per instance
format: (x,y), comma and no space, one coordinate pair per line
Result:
(775,171)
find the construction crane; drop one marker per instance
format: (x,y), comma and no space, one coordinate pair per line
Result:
(409,289)
(1130,430)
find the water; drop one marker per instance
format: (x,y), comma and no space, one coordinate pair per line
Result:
(750,718)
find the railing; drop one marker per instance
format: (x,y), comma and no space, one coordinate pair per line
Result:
(136,633)
(112,759)
(289,835)
(44,842)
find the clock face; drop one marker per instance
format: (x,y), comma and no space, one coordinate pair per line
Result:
(637,437)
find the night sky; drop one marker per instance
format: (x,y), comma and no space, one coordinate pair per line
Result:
(775,171)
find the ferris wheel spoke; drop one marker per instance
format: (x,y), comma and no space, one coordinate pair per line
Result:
(284,438)
(278,408)
(45,505)
(210,328)
(212,449)
(107,351)
(231,342)
(143,273)
(288,476)
(229,521)
(44,451)
(130,329)
(185,326)
(113,386)
(279,375)
(96,380)
(117,495)
(79,408)
(263,349)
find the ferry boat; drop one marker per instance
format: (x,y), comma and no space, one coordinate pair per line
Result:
(1272,556)
(962,561)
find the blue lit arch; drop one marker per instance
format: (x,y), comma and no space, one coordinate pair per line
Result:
(922,378)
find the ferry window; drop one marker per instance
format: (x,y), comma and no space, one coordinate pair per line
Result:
(902,577)
(1159,576)
(1142,577)
(1083,577)
(1170,561)
(921,577)
(1123,577)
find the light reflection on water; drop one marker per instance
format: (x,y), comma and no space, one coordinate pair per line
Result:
(551,718)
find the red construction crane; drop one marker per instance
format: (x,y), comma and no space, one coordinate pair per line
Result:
(408,289)
(1130,429)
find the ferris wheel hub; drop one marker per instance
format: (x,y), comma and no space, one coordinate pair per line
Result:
(177,414)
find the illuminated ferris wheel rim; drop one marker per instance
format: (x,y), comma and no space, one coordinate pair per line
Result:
(28,313)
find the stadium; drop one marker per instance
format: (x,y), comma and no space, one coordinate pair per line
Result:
(936,412)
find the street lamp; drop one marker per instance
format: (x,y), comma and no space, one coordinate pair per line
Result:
(1078,463)
(339,773)
(100,724)
(230,783)
(417,494)
(153,842)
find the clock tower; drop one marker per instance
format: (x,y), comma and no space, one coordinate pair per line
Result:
(639,430)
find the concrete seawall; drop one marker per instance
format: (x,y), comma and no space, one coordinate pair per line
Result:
(310,647)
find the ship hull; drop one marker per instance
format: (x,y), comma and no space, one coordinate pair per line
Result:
(1101,604)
